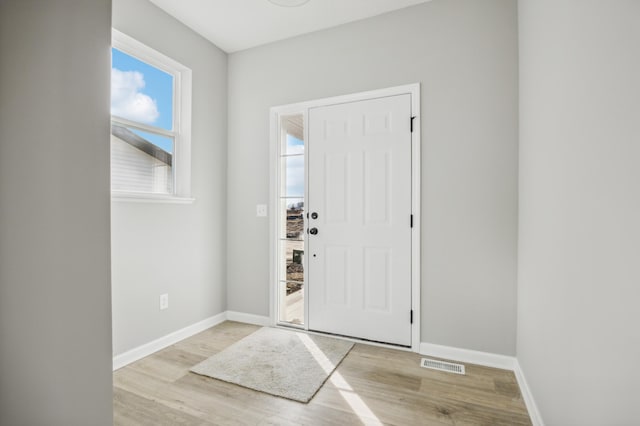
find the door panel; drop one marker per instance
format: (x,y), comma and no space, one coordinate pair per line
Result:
(360,187)
(376,188)
(337,289)
(377,279)
(337,168)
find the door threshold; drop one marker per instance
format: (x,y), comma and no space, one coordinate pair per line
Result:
(290,325)
(347,338)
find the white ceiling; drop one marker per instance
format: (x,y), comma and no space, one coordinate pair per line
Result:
(235,25)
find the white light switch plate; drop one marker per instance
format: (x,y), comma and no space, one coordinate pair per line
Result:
(261,210)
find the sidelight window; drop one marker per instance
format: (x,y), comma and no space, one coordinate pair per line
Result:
(292,220)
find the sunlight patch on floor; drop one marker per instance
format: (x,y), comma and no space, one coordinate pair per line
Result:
(315,351)
(358,406)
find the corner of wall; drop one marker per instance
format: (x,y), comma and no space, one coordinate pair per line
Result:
(527,396)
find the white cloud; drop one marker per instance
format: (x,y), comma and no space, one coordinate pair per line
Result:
(128,101)
(295,175)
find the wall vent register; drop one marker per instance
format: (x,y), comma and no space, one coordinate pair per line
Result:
(448,367)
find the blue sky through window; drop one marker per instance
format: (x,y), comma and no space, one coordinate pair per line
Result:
(294,166)
(142,93)
(294,145)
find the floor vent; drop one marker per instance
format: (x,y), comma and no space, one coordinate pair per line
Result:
(448,367)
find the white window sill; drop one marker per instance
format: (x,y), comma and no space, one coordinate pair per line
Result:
(135,197)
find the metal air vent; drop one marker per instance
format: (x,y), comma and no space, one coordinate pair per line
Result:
(448,367)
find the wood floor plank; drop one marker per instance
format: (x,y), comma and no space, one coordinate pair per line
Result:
(132,409)
(373,385)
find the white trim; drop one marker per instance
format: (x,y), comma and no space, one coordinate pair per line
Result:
(416,234)
(182,98)
(182,119)
(349,339)
(143,197)
(527,396)
(486,359)
(303,108)
(353,97)
(274,208)
(126,43)
(147,349)
(249,318)
(305,131)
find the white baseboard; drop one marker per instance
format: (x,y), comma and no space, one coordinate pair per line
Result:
(488,360)
(468,356)
(527,396)
(249,318)
(147,349)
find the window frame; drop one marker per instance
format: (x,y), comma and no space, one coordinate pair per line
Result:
(181,129)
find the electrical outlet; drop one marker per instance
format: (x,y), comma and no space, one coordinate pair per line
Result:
(164,301)
(261,210)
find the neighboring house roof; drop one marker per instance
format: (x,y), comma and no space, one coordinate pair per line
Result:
(141,143)
(293,125)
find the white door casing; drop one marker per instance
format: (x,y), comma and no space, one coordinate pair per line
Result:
(359,184)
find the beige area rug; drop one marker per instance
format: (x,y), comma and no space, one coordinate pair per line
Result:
(280,362)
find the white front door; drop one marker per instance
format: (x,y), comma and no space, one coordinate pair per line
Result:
(359,204)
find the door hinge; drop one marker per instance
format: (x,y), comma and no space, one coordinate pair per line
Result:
(411,221)
(411,316)
(412,118)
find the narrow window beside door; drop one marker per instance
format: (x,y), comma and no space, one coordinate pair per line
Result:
(292,219)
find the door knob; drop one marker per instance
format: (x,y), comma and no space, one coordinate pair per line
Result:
(313,231)
(314,215)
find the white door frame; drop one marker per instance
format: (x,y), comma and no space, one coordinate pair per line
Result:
(274,231)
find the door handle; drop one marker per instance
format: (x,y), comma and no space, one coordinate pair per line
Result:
(313,231)
(314,215)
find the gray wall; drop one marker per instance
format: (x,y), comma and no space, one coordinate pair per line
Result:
(55,312)
(579,250)
(465,55)
(169,248)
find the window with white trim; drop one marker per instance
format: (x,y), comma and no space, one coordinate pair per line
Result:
(150,122)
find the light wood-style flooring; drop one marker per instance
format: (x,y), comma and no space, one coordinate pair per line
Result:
(372,386)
